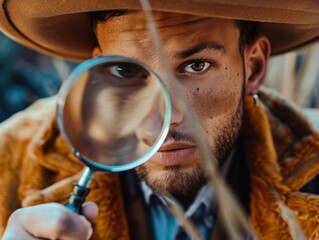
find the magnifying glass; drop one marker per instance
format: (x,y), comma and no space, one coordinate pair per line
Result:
(115,114)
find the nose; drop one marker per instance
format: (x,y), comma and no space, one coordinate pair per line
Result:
(177,114)
(150,128)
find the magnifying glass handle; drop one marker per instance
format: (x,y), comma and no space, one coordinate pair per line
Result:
(77,198)
(80,191)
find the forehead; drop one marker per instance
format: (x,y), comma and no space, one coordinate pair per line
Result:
(176,30)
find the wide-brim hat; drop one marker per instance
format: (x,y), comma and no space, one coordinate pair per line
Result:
(63,27)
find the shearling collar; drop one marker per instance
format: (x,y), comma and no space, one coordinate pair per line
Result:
(281,150)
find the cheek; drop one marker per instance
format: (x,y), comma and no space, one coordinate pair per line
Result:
(217,99)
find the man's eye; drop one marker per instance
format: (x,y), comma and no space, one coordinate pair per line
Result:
(126,71)
(196,67)
(124,75)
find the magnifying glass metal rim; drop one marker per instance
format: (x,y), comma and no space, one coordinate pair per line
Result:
(68,84)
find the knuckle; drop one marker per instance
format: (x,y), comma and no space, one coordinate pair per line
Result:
(61,221)
(16,216)
(58,222)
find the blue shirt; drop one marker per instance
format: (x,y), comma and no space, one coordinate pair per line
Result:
(167,227)
(201,212)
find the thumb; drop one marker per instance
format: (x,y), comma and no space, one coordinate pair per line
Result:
(90,211)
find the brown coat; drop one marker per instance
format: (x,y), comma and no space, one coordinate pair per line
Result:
(280,147)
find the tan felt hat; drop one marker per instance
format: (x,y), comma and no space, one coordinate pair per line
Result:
(63,27)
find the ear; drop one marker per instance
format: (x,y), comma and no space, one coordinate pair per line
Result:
(257,54)
(97,51)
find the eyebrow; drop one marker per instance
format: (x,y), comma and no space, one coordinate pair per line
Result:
(199,48)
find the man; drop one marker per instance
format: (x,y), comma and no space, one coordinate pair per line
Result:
(219,63)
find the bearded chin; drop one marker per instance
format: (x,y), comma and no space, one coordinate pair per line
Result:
(183,183)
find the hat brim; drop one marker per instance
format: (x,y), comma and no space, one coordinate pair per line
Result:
(63,28)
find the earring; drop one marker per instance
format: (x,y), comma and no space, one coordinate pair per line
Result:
(256,99)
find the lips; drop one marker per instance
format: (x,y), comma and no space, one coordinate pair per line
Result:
(174,153)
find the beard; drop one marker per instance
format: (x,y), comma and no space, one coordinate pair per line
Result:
(182,182)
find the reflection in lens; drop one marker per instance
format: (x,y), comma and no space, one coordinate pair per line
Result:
(108,107)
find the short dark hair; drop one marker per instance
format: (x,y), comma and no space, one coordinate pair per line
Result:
(247,29)
(102,16)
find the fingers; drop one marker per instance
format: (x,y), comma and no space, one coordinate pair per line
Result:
(49,221)
(90,211)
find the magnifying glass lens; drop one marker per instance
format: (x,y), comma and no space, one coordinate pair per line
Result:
(114,113)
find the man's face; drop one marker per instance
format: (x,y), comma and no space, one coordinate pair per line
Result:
(204,56)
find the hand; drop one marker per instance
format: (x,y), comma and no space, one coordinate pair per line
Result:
(51,221)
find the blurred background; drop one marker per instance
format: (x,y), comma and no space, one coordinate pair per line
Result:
(26,76)
(296,76)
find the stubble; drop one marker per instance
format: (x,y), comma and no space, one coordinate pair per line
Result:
(183,183)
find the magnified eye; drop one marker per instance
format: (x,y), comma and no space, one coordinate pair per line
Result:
(125,71)
(196,67)
(123,75)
